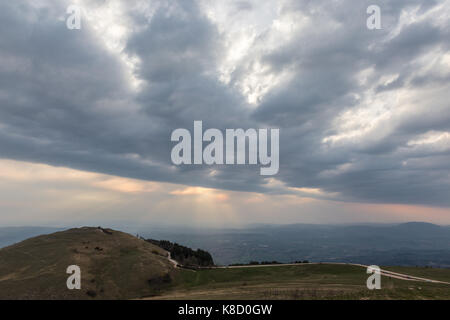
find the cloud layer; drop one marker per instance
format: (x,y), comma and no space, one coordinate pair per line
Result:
(364,115)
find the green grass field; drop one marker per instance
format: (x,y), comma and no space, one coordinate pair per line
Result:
(318,281)
(431,273)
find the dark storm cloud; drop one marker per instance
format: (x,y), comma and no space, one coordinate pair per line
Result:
(307,105)
(65,99)
(65,102)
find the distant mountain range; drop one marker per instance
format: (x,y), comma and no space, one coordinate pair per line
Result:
(11,235)
(408,244)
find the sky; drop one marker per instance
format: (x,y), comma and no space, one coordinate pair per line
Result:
(86,115)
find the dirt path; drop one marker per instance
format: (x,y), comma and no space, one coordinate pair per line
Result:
(169,257)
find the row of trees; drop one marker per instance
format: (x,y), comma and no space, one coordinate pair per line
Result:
(184,255)
(253,263)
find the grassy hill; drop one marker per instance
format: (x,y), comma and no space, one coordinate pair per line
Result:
(114,265)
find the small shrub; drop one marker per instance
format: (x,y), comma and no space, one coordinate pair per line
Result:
(91,293)
(165,279)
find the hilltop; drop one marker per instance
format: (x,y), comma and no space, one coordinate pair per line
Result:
(114,265)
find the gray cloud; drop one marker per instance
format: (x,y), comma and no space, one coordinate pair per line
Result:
(66,100)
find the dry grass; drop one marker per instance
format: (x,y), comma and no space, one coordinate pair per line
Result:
(114,265)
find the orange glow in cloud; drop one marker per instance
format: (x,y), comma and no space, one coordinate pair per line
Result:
(29,192)
(201,192)
(126,185)
(26,172)
(23,172)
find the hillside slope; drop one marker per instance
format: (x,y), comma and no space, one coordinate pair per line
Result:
(114,265)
